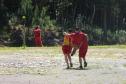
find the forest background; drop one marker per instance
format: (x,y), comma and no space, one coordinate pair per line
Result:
(103,20)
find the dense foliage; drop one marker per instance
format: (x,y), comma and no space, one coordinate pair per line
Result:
(103,20)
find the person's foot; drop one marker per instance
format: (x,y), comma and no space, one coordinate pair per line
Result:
(85,64)
(67,67)
(80,67)
(71,65)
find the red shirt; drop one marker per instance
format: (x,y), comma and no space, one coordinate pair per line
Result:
(37,32)
(79,38)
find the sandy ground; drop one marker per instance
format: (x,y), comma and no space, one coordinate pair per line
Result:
(32,66)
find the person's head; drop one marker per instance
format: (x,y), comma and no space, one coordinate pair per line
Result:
(48,29)
(14,29)
(77,30)
(70,31)
(37,27)
(82,30)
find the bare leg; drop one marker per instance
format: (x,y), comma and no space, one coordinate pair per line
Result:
(69,57)
(80,61)
(66,60)
(85,63)
(73,51)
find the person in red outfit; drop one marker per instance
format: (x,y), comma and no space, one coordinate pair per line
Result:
(67,48)
(79,41)
(37,36)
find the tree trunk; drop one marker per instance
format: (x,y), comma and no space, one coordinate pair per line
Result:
(105,19)
(92,18)
(1,3)
(105,25)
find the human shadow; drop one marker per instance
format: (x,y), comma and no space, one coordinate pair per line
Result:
(73,68)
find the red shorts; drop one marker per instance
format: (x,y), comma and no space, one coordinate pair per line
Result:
(83,50)
(66,49)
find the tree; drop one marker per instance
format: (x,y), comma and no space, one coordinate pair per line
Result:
(3,15)
(26,9)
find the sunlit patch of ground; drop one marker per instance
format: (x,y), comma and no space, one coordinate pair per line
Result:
(45,65)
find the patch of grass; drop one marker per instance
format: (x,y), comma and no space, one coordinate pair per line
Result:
(59,47)
(123,81)
(23,70)
(41,49)
(109,46)
(124,65)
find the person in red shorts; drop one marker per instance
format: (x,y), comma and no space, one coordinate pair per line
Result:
(66,48)
(37,36)
(80,41)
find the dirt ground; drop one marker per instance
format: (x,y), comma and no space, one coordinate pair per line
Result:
(47,66)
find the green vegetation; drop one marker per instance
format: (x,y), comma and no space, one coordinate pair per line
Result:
(54,49)
(109,46)
(103,20)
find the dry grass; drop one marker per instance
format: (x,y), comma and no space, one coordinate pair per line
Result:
(106,64)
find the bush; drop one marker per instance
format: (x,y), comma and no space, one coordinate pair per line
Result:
(117,37)
(95,34)
(120,36)
(98,36)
